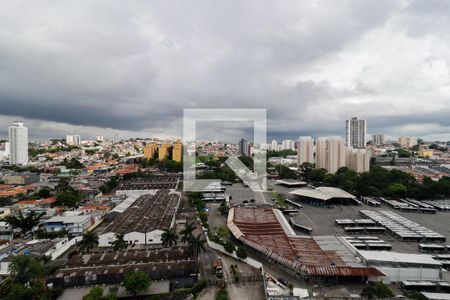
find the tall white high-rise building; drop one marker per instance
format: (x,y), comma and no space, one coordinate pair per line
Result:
(358,160)
(274,146)
(18,144)
(305,150)
(100,138)
(288,145)
(356,131)
(73,139)
(378,139)
(330,153)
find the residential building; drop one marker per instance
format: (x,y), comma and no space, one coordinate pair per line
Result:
(274,145)
(150,151)
(6,231)
(73,139)
(177,152)
(75,225)
(407,141)
(100,138)
(164,151)
(243,147)
(288,145)
(18,144)
(21,178)
(358,160)
(378,139)
(330,153)
(356,131)
(305,150)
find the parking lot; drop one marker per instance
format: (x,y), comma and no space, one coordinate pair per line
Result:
(322,220)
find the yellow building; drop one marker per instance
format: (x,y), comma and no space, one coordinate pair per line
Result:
(163,151)
(425,153)
(150,151)
(177,152)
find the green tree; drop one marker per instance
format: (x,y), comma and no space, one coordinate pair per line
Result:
(169,237)
(197,245)
(377,290)
(44,193)
(110,185)
(317,175)
(136,282)
(397,189)
(229,246)
(187,232)
(119,243)
(241,252)
(89,241)
(97,293)
(25,223)
(25,269)
(68,197)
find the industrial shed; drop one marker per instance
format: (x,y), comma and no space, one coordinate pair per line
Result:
(320,258)
(143,220)
(324,196)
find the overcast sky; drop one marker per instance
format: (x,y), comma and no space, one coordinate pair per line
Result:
(130,67)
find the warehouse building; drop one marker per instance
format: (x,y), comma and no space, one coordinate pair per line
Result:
(403,266)
(325,258)
(143,220)
(175,265)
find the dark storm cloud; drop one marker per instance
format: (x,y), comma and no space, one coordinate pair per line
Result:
(134,66)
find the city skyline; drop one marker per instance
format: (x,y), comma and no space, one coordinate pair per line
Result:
(134,69)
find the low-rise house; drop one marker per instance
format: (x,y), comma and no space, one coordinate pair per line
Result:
(75,225)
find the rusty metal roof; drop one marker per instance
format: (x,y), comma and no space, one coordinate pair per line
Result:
(260,229)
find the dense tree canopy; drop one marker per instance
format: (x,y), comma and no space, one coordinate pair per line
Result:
(380,182)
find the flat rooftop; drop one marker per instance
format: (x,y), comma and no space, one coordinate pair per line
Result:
(147,213)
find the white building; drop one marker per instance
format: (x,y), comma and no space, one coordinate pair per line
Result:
(378,139)
(402,266)
(330,153)
(358,160)
(356,131)
(305,150)
(407,141)
(73,139)
(100,138)
(274,145)
(75,225)
(18,144)
(288,145)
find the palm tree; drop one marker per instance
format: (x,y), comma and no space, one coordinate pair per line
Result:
(89,241)
(25,224)
(187,232)
(169,237)
(197,245)
(120,243)
(25,268)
